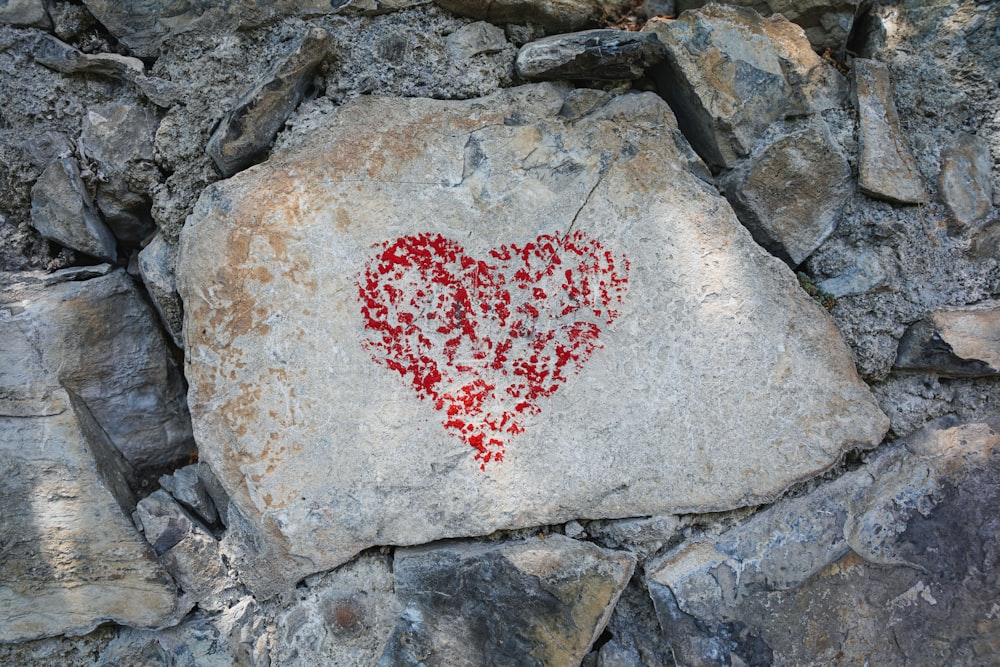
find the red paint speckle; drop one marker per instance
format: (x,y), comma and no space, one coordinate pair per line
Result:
(486,340)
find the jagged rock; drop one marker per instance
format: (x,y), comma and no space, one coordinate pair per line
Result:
(62,210)
(156,266)
(905,547)
(827,23)
(25,13)
(791,194)
(592,54)
(330,433)
(553,15)
(69,21)
(245,134)
(186,549)
(886,168)
(521,603)
(187,486)
(956,342)
(729,74)
(966,180)
(643,536)
(475,39)
(99,340)
(120,138)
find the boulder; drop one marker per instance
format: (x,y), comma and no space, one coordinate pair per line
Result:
(730,73)
(521,603)
(955,342)
(62,210)
(965,181)
(904,547)
(552,15)
(886,168)
(444,318)
(609,55)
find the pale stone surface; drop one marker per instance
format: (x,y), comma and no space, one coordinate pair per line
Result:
(62,210)
(886,167)
(958,342)
(591,54)
(966,180)
(536,602)
(25,13)
(904,547)
(730,73)
(331,435)
(553,15)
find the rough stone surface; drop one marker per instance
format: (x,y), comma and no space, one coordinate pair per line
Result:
(273,418)
(905,548)
(956,342)
(591,54)
(791,194)
(966,181)
(25,13)
(522,603)
(62,210)
(729,74)
(187,486)
(247,132)
(553,15)
(98,340)
(886,168)
(156,266)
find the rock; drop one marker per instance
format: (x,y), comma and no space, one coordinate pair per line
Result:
(99,340)
(870,270)
(120,138)
(476,39)
(643,537)
(886,168)
(71,559)
(245,134)
(185,485)
(186,549)
(70,21)
(904,547)
(25,14)
(592,54)
(956,342)
(156,266)
(966,181)
(729,74)
(553,15)
(790,195)
(521,603)
(62,210)
(330,438)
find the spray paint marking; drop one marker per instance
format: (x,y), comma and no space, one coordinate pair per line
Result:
(486,339)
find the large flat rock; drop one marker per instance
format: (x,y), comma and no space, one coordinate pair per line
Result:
(442,318)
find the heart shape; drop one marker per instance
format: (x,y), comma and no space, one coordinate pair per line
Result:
(486,339)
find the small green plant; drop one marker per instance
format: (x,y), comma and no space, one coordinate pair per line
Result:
(824,299)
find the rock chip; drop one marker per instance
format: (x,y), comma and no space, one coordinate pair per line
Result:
(156,266)
(521,603)
(790,195)
(476,39)
(956,342)
(334,427)
(186,485)
(553,15)
(886,168)
(966,180)
(246,133)
(729,74)
(592,54)
(25,13)
(63,210)
(98,340)
(904,547)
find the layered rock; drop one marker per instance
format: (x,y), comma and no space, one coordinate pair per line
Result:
(591,54)
(421,276)
(956,342)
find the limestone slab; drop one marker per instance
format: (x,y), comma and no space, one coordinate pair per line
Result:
(442,318)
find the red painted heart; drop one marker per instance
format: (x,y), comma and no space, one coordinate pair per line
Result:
(485,340)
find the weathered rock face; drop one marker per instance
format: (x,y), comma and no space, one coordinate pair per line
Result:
(956,342)
(905,548)
(591,54)
(522,603)
(422,276)
(554,15)
(965,181)
(62,210)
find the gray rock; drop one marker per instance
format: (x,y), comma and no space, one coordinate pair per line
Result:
(729,74)
(62,210)
(904,547)
(966,180)
(186,485)
(25,13)
(642,536)
(869,271)
(955,342)
(156,266)
(99,340)
(521,603)
(314,425)
(477,39)
(790,195)
(70,21)
(119,137)
(553,15)
(247,131)
(886,168)
(592,54)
